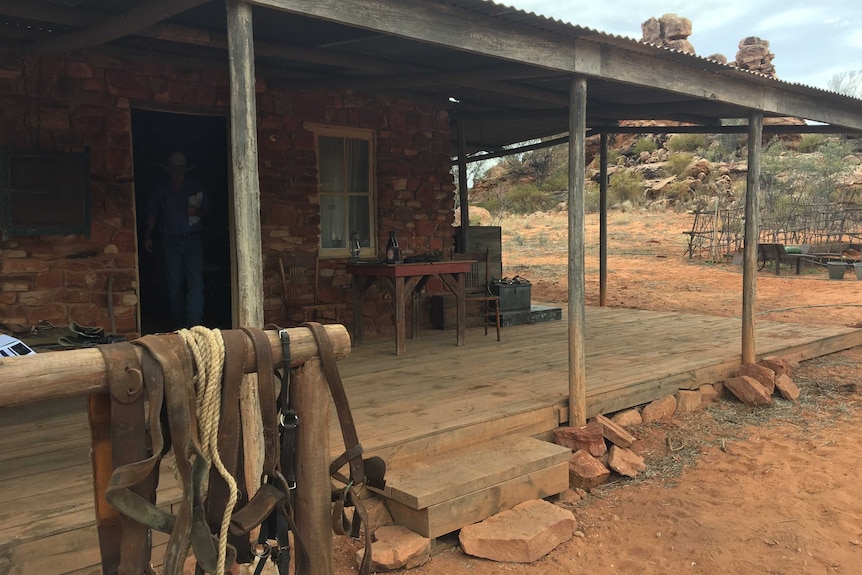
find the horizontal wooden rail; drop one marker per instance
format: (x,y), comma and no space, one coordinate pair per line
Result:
(57,374)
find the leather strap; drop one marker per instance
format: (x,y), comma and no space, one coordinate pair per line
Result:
(129,445)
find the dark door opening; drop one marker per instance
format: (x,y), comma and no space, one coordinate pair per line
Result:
(203,140)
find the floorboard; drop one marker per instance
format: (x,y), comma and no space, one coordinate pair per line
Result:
(436,395)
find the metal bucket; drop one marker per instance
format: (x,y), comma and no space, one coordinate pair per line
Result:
(836,270)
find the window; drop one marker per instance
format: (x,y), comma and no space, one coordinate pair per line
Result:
(44,193)
(345,171)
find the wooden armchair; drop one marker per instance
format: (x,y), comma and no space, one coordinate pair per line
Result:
(301,292)
(478,287)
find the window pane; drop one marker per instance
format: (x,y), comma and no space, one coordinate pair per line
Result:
(331,164)
(332,222)
(357,166)
(359,219)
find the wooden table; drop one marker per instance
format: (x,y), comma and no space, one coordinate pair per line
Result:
(403,281)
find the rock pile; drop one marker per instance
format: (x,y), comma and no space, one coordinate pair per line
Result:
(754,55)
(670,31)
(758,382)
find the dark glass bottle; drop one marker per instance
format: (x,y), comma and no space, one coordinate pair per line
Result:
(392,249)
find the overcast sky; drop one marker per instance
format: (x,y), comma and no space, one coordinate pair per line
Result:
(811,40)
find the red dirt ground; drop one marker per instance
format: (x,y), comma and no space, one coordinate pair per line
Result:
(777,491)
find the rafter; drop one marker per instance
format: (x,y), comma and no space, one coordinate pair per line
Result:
(116,26)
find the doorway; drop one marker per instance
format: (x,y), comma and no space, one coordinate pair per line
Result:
(203,140)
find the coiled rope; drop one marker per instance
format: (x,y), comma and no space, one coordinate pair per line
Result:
(207,349)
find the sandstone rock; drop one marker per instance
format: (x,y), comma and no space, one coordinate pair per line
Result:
(614,432)
(675,27)
(651,30)
(670,31)
(720,58)
(627,418)
(522,534)
(786,387)
(688,400)
(396,547)
(754,55)
(661,408)
(708,394)
(764,375)
(625,461)
(720,390)
(585,471)
(777,364)
(680,45)
(749,391)
(589,437)
(378,513)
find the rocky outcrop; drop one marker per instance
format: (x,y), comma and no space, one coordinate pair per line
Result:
(754,56)
(669,31)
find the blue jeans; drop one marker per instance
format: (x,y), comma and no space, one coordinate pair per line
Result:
(184,271)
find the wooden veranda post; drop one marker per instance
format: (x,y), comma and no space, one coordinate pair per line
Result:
(603,219)
(462,188)
(577,312)
(248,306)
(752,235)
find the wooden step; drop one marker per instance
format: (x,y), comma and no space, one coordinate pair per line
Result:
(441,493)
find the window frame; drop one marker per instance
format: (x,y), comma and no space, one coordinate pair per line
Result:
(366,135)
(77,161)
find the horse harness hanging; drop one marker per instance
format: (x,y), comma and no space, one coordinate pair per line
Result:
(152,411)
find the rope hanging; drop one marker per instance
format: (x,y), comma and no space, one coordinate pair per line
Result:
(207,349)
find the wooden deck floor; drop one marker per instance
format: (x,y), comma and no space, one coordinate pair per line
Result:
(436,394)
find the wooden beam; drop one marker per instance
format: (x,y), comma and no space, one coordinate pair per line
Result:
(116,26)
(51,13)
(752,235)
(639,65)
(577,309)
(75,373)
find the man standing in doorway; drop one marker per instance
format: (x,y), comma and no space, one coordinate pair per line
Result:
(175,209)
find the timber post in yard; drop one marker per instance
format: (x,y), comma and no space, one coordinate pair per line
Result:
(603,219)
(577,311)
(247,258)
(752,235)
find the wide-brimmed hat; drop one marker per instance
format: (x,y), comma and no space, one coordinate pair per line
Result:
(175,161)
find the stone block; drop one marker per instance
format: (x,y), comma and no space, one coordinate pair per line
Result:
(589,437)
(522,534)
(661,408)
(749,391)
(628,418)
(708,394)
(786,387)
(688,400)
(625,461)
(585,471)
(777,364)
(396,547)
(764,375)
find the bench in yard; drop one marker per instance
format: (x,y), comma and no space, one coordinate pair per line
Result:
(779,253)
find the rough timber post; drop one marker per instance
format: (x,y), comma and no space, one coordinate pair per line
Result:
(752,235)
(309,392)
(577,321)
(248,307)
(603,219)
(463,231)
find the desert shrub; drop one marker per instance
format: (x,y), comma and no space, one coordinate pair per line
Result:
(626,186)
(493,205)
(810,143)
(679,190)
(686,142)
(677,163)
(644,145)
(592,197)
(526,199)
(557,180)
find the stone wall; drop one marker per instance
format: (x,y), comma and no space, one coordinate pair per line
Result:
(85,101)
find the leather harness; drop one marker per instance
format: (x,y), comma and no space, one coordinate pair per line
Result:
(152,410)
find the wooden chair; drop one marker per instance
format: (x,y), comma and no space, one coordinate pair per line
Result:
(478,287)
(300,291)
